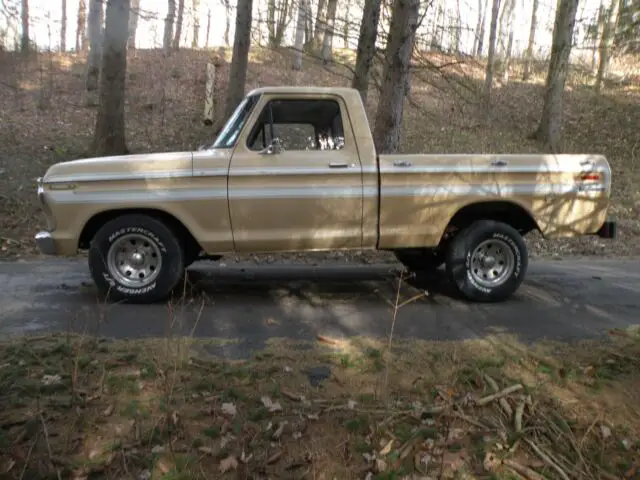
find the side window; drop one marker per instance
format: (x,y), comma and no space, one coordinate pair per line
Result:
(299,124)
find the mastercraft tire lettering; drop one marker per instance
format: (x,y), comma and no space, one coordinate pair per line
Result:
(136,258)
(487,261)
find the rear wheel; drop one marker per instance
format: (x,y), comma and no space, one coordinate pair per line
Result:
(420,259)
(136,258)
(487,261)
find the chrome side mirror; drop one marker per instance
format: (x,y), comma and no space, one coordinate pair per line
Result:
(273,149)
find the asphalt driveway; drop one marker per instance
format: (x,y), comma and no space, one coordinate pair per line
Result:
(562,300)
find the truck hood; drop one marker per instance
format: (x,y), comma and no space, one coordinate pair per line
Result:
(124,167)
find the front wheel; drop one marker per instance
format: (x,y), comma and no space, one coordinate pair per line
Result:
(487,261)
(136,258)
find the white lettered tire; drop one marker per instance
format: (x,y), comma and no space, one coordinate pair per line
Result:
(487,261)
(136,258)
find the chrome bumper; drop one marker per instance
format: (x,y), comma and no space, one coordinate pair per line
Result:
(45,243)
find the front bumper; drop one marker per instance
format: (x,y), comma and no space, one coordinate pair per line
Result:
(608,229)
(45,243)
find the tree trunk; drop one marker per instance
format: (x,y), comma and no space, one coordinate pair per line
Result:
(227,25)
(133,23)
(95,44)
(240,58)
(109,138)
(398,52)
(63,26)
(327,42)
(528,56)
(168,27)
(81,33)
(345,26)
(366,46)
(300,27)
(320,24)
(606,42)
(24,39)
(509,49)
(550,126)
(478,43)
(206,41)
(196,23)
(488,79)
(176,39)
(598,36)
(458,28)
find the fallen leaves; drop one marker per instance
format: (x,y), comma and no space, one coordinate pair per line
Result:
(229,463)
(271,406)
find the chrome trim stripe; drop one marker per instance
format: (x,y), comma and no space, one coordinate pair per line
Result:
(480,190)
(384,170)
(108,177)
(141,196)
(489,169)
(476,190)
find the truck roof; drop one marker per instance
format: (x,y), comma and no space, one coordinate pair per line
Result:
(304,89)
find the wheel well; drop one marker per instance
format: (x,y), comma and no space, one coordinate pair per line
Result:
(191,245)
(501,211)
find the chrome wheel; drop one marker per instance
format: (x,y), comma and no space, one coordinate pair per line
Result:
(492,263)
(134,260)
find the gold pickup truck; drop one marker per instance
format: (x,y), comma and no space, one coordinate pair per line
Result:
(295,169)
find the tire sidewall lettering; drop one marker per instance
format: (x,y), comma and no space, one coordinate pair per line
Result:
(140,230)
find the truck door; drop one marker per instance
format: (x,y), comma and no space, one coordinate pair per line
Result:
(295,180)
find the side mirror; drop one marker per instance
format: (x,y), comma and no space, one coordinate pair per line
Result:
(273,149)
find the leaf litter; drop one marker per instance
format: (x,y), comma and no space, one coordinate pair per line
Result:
(441,415)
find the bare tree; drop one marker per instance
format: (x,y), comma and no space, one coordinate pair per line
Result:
(320,24)
(133,23)
(81,34)
(63,26)
(398,52)
(240,57)
(168,27)
(488,79)
(277,21)
(457,28)
(179,19)
(550,126)
(366,46)
(598,35)
(511,5)
(24,39)
(606,42)
(327,41)
(300,30)
(95,44)
(478,42)
(196,23)
(206,40)
(109,137)
(227,24)
(528,56)
(345,26)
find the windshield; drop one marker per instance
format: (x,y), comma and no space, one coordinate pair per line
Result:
(229,134)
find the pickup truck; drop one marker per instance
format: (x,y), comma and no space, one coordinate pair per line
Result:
(295,169)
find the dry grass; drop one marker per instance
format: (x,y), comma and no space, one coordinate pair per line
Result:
(45,117)
(75,407)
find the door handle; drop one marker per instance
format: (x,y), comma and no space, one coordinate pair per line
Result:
(402,163)
(499,163)
(338,165)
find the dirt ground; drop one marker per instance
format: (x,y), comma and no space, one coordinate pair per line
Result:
(46,117)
